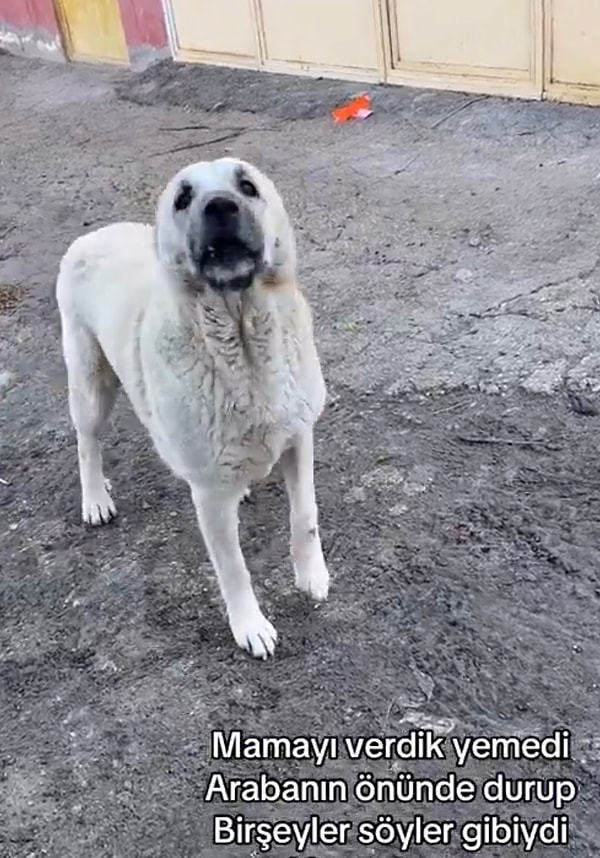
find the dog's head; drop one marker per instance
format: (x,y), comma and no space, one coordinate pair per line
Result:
(223,223)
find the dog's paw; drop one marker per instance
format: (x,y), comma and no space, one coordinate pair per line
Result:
(254,633)
(312,578)
(98,507)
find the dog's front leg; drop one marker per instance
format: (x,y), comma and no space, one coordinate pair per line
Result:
(297,464)
(217,512)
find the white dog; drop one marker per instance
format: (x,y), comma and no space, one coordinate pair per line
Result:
(200,319)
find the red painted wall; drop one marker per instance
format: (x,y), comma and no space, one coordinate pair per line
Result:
(29,15)
(143,22)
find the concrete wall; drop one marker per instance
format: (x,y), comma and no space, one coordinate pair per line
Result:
(145,31)
(30,27)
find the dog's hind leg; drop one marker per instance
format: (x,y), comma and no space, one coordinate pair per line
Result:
(93,387)
(217,511)
(297,464)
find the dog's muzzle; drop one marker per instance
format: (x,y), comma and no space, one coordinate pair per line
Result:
(230,253)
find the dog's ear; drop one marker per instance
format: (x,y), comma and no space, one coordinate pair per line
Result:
(183,196)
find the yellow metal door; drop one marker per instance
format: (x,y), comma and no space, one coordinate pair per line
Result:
(92,30)
(215,31)
(492,46)
(320,36)
(573,50)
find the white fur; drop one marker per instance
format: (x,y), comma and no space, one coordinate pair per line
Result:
(226,383)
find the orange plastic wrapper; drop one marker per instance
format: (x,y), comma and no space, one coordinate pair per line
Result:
(358,108)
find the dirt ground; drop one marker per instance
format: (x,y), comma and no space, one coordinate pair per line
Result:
(450,248)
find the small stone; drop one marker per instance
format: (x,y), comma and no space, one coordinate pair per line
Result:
(464,275)
(5,380)
(581,404)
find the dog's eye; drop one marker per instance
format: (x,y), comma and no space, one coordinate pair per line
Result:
(248,188)
(183,197)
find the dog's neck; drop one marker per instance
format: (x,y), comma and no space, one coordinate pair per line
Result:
(229,304)
(241,329)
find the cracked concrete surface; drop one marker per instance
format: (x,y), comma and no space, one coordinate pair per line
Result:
(449,246)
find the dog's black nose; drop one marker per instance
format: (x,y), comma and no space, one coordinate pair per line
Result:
(221,209)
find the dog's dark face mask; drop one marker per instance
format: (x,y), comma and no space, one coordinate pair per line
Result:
(225,240)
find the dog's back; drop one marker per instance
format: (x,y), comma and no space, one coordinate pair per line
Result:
(107,268)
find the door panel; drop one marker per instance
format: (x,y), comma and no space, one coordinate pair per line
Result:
(330,33)
(92,29)
(574,30)
(481,34)
(215,27)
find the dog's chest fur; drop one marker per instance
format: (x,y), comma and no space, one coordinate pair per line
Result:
(233,383)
